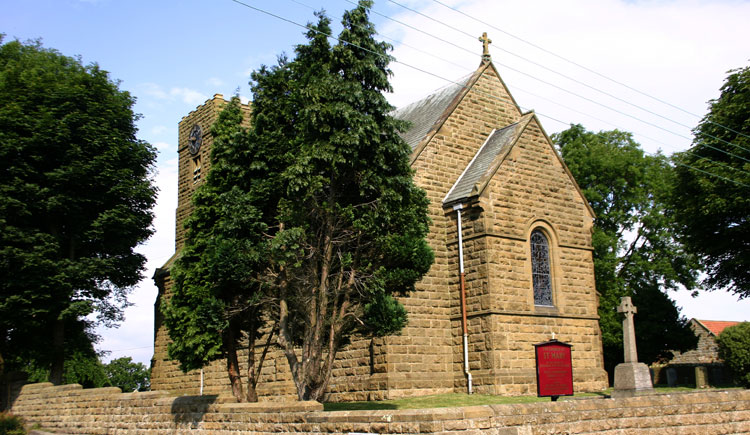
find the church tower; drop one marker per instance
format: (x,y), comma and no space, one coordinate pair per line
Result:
(194,161)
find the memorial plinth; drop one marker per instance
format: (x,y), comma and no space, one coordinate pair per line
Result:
(631,377)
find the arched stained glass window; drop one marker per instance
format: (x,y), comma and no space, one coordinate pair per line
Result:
(540,269)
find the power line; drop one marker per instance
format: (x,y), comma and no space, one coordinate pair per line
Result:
(565,90)
(639,134)
(580,83)
(516,87)
(433,74)
(420,31)
(712,174)
(394,40)
(586,68)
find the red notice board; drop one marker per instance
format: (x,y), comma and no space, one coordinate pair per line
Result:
(554,369)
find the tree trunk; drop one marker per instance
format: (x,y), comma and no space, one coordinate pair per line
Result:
(315,374)
(233,366)
(252,379)
(285,337)
(58,352)
(3,334)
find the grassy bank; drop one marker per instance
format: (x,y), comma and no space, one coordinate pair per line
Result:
(462,399)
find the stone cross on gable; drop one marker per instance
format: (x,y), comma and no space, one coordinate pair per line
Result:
(486,46)
(628,330)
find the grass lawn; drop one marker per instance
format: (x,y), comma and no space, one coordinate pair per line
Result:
(440,401)
(462,399)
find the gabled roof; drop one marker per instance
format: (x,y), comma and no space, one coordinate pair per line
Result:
(423,114)
(716,326)
(485,162)
(428,114)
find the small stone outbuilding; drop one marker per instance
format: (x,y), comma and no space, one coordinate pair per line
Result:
(525,245)
(701,366)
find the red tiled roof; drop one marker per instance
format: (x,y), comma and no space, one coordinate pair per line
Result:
(716,326)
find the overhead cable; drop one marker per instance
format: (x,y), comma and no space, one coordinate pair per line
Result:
(586,68)
(575,81)
(442,78)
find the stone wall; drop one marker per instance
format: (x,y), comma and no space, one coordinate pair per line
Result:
(705,352)
(422,358)
(70,409)
(531,190)
(10,387)
(700,366)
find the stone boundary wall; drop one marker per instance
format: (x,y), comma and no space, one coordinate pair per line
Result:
(71,409)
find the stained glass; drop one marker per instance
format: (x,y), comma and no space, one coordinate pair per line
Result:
(540,269)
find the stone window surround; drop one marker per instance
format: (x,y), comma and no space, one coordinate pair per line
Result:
(548,230)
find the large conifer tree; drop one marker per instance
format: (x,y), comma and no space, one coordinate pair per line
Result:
(217,305)
(331,220)
(347,225)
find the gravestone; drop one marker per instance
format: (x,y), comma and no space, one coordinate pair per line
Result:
(701,377)
(671,377)
(631,377)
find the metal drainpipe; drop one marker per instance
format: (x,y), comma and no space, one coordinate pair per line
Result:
(462,280)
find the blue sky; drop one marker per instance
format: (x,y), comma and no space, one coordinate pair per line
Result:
(173,55)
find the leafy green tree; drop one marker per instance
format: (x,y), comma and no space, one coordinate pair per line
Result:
(127,375)
(86,369)
(75,199)
(734,349)
(319,200)
(82,365)
(635,251)
(218,303)
(712,192)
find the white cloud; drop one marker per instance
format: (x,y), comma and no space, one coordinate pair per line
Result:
(159,129)
(185,95)
(215,82)
(154,90)
(189,96)
(163,146)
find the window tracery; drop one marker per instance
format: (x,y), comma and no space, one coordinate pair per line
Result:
(540,268)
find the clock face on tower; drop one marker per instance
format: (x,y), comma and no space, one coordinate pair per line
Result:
(194,139)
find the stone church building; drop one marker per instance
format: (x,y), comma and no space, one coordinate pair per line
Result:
(510,229)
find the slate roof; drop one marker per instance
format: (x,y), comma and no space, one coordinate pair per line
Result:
(423,114)
(499,141)
(716,326)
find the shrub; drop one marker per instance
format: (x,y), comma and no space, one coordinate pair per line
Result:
(11,424)
(734,349)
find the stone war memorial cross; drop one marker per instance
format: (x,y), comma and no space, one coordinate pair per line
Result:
(631,377)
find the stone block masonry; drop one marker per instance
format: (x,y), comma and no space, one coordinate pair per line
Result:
(525,187)
(71,409)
